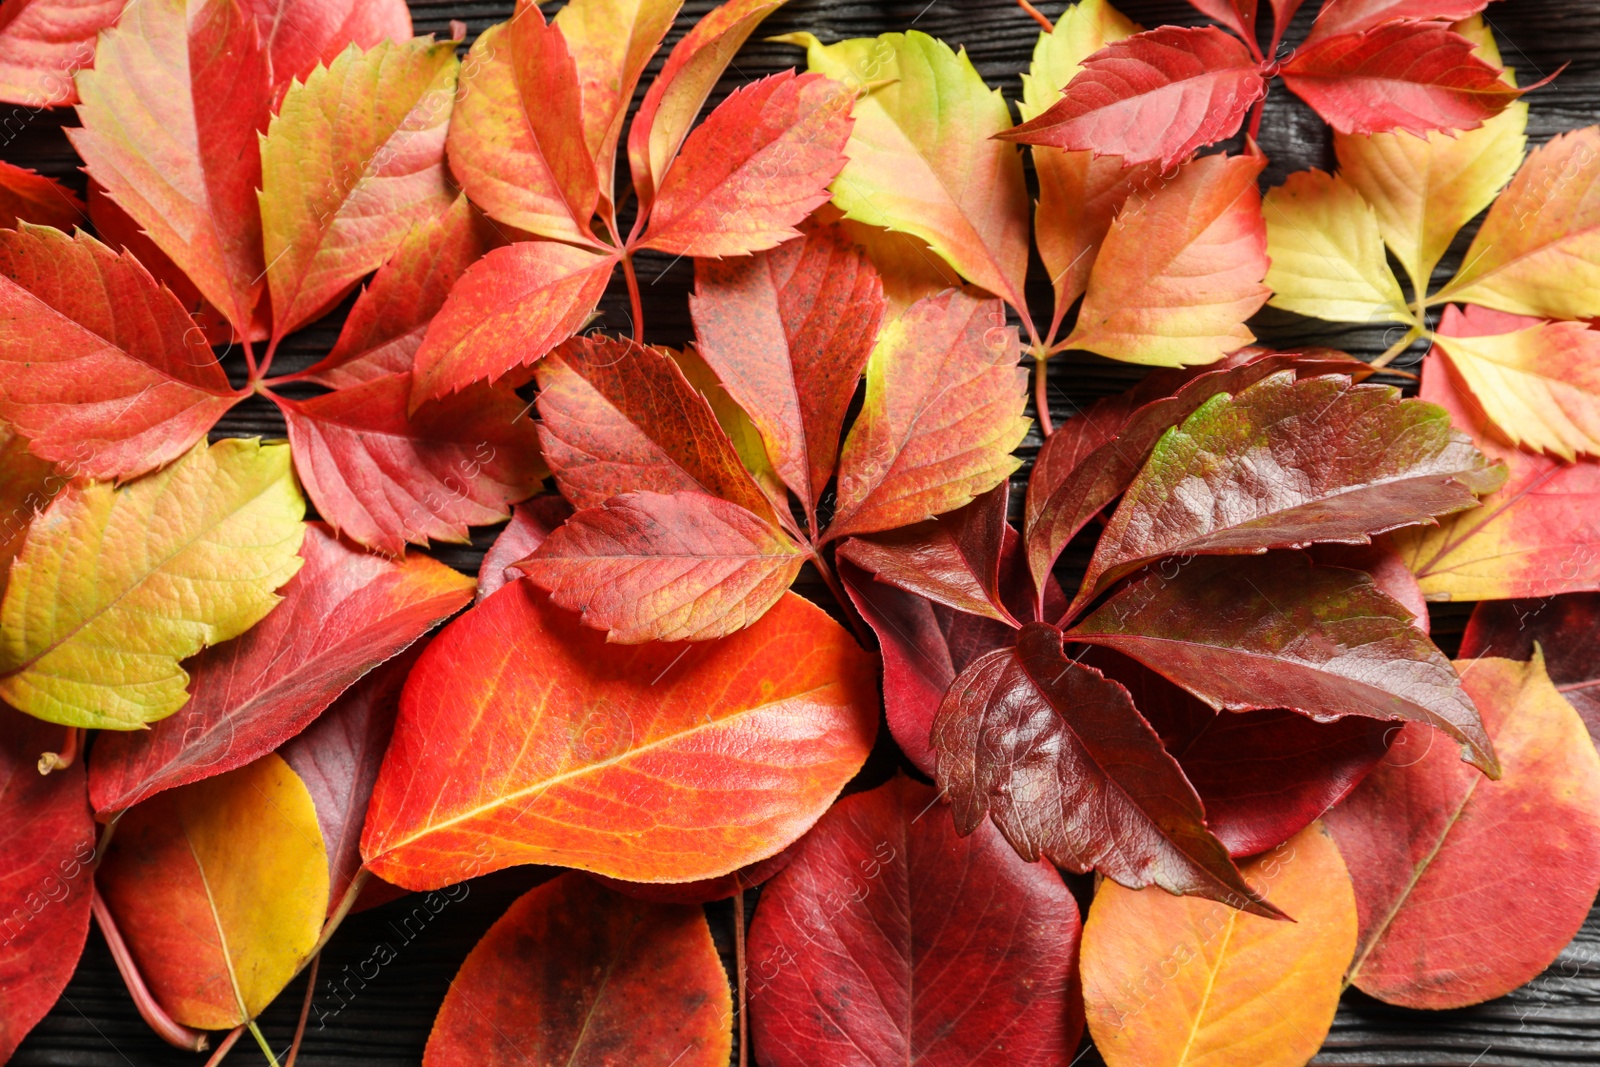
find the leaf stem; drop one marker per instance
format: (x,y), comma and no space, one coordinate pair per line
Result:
(837,589)
(57,761)
(250,361)
(739,968)
(168,1029)
(1255,114)
(1038,16)
(346,902)
(227,1045)
(266,1049)
(633,296)
(305,1013)
(1397,348)
(266,360)
(1041,393)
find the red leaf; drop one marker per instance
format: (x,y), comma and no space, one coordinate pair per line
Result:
(727,750)
(707,889)
(1566,630)
(511,307)
(146,112)
(384,479)
(1060,759)
(1263,776)
(516,141)
(953,560)
(1238,15)
(1153,97)
(1263,632)
(653,567)
(338,756)
(344,613)
(891,940)
(46,849)
(1283,12)
(386,324)
(28,196)
(1406,76)
(680,90)
(1355,16)
(759,164)
(1388,569)
(43,43)
(299,34)
(575,974)
(531,522)
(1468,888)
(618,417)
(1080,195)
(788,332)
(100,368)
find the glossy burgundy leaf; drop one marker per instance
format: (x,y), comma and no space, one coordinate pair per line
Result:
(890,939)
(577,975)
(1263,632)
(707,889)
(1263,776)
(100,367)
(1388,570)
(759,164)
(344,613)
(387,322)
(531,522)
(1093,457)
(617,416)
(1355,16)
(1061,761)
(788,333)
(299,34)
(338,756)
(1283,464)
(1153,97)
(28,196)
(511,307)
(1565,628)
(649,566)
(952,560)
(47,847)
(43,43)
(386,479)
(1400,76)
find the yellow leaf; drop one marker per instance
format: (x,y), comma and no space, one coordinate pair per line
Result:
(909,269)
(1081,31)
(26,485)
(115,585)
(1174,981)
(1425,189)
(1327,254)
(220,889)
(1539,386)
(921,156)
(1538,251)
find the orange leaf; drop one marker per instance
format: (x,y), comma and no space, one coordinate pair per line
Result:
(576,974)
(27,196)
(1170,981)
(1442,856)
(727,750)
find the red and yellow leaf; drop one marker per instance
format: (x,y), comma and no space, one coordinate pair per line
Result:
(27,485)
(44,43)
(299,34)
(1565,629)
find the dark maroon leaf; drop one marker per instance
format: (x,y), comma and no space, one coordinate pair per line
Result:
(1566,628)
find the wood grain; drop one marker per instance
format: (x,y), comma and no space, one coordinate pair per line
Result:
(379,1016)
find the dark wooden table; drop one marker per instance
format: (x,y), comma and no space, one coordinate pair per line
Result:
(385,1021)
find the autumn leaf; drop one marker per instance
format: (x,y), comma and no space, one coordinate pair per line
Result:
(1061,761)
(612,980)
(115,586)
(705,890)
(1180,270)
(678,93)
(100,368)
(943,412)
(1327,253)
(1538,250)
(889,939)
(1272,631)
(649,567)
(1418,833)
(46,849)
(1564,629)
(1410,77)
(352,160)
(1154,97)
(164,84)
(618,417)
(759,164)
(28,196)
(1356,16)
(345,612)
(1364,463)
(384,479)
(731,749)
(922,158)
(511,307)
(1213,966)
(219,889)
(299,34)
(908,268)
(43,43)
(531,522)
(1535,536)
(27,485)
